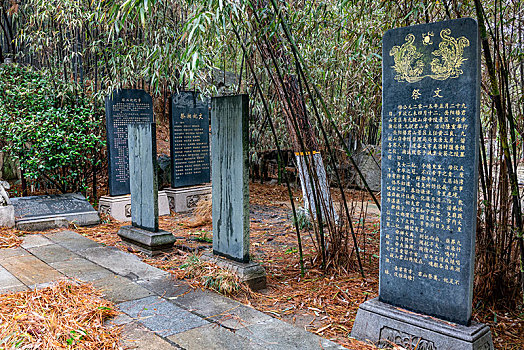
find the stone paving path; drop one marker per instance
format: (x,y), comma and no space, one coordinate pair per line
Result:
(159,312)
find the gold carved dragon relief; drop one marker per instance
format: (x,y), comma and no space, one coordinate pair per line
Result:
(409,66)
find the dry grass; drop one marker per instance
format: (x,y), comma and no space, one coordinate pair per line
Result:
(202,214)
(9,238)
(64,316)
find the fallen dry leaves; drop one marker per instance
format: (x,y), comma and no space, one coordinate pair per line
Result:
(63,316)
(9,238)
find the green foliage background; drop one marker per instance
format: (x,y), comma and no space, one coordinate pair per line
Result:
(54,135)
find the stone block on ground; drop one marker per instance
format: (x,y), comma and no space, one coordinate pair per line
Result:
(7,215)
(213,337)
(182,200)
(166,286)
(72,240)
(151,243)
(120,289)
(384,325)
(123,264)
(35,240)
(81,269)
(52,253)
(31,270)
(36,212)
(137,337)
(160,316)
(8,282)
(119,207)
(217,308)
(253,274)
(276,334)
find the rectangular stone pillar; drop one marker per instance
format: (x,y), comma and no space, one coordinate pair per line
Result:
(143,176)
(229,161)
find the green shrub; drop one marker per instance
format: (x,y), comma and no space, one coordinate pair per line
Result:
(56,136)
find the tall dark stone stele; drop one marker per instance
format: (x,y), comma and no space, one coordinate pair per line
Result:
(430,133)
(123,107)
(229,135)
(190,160)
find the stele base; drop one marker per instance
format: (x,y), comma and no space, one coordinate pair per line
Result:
(119,207)
(184,199)
(252,274)
(384,325)
(150,243)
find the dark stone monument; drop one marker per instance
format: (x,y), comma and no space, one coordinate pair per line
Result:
(144,233)
(123,107)
(35,213)
(189,140)
(430,131)
(190,159)
(229,135)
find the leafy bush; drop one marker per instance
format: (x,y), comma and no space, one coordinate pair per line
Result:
(55,135)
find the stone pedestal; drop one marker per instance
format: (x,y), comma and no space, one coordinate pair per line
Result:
(384,325)
(184,199)
(150,243)
(119,207)
(7,216)
(250,273)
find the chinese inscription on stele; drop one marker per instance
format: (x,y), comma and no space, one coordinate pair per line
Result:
(123,107)
(430,131)
(189,140)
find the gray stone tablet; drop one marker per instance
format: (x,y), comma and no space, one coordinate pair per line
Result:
(229,137)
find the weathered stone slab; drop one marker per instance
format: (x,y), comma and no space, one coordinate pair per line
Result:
(182,200)
(36,212)
(72,240)
(229,137)
(137,337)
(150,243)
(123,264)
(30,270)
(253,274)
(213,337)
(166,286)
(429,168)
(7,253)
(81,269)
(160,316)
(123,107)
(8,282)
(120,289)
(52,253)
(7,215)
(143,176)
(219,309)
(385,324)
(36,240)
(119,207)
(189,140)
(276,334)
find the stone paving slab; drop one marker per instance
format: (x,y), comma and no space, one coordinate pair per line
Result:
(7,253)
(137,337)
(81,269)
(8,282)
(123,264)
(274,334)
(160,316)
(119,289)
(36,240)
(213,337)
(166,286)
(72,240)
(30,270)
(217,308)
(52,253)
